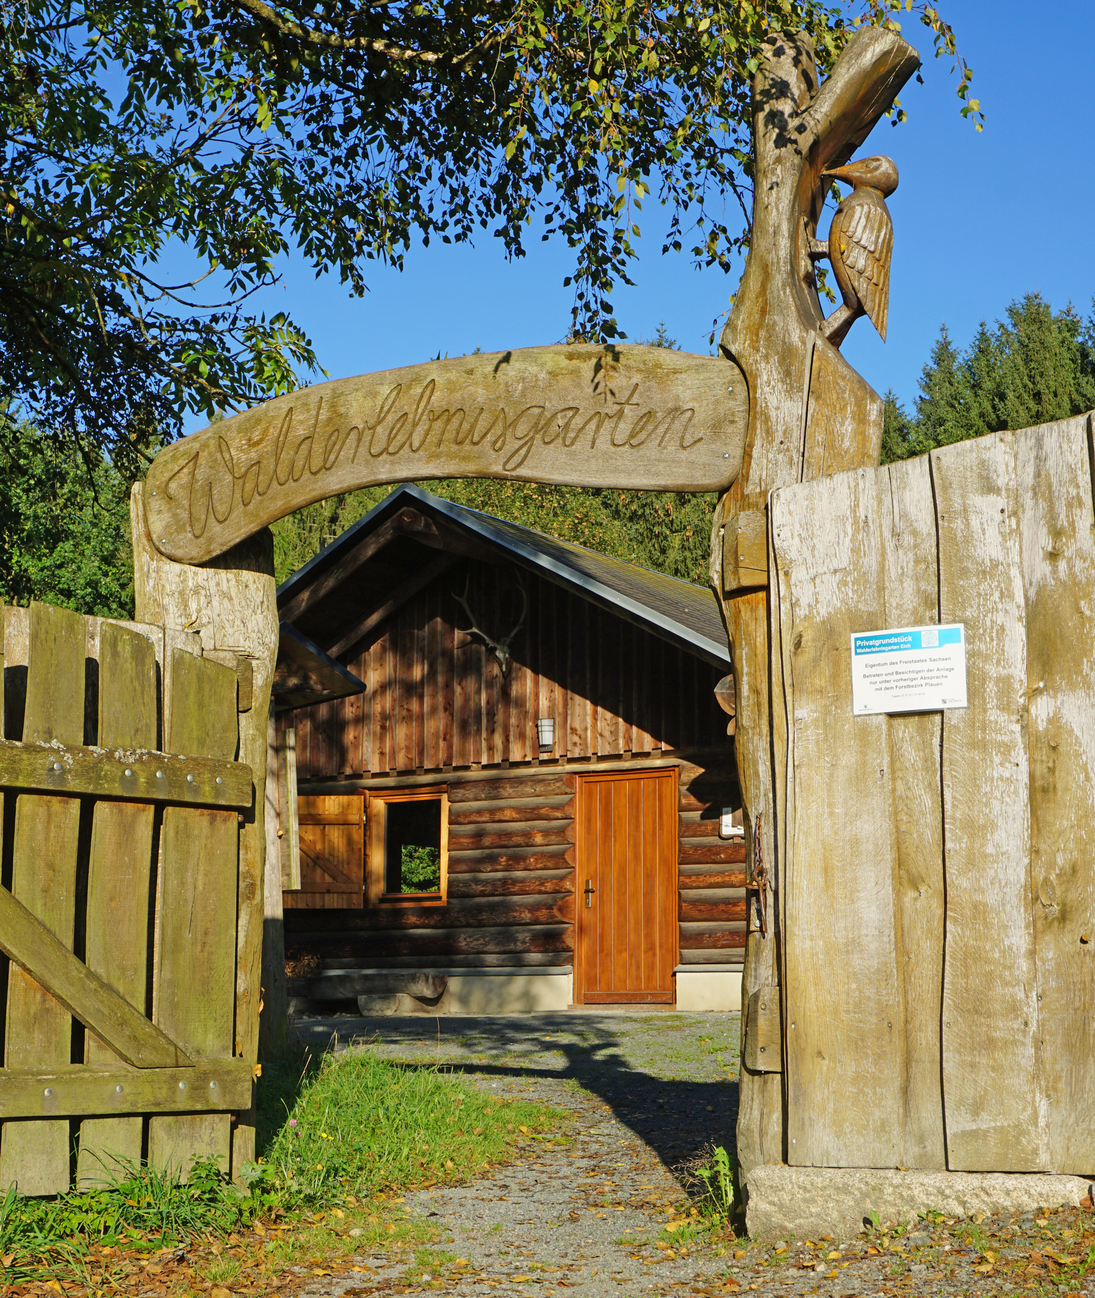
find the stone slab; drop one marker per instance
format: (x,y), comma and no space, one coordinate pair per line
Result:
(701,990)
(805,1202)
(523,993)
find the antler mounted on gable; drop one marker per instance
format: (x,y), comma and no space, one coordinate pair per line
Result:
(499,647)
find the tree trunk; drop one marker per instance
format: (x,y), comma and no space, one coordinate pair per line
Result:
(810,414)
(231,603)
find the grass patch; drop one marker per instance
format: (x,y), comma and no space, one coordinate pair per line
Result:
(340,1137)
(364,1124)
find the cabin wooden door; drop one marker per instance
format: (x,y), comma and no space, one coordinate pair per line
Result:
(626,888)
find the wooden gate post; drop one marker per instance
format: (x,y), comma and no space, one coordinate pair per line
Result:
(810,415)
(231,602)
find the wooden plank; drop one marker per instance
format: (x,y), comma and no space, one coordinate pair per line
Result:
(404,642)
(703,831)
(584,616)
(462,721)
(908,538)
(485,960)
(519,810)
(461,913)
(288,808)
(523,834)
(130,774)
(606,696)
(558,680)
(516,884)
(549,785)
(493,682)
(763,1044)
(352,815)
(363,722)
(729,853)
(720,957)
(845,1067)
(728,908)
(418,695)
(446,689)
(35,1155)
(432,701)
(990,1010)
(196,974)
(77,1089)
(530,858)
(333,940)
(712,935)
(640,737)
(1053,489)
(373,760)
(477,666)
(520,731)
(724,879)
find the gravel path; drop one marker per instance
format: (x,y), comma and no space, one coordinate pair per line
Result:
(650,1092)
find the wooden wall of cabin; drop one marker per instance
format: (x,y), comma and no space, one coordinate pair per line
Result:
(439,710)
(437,700)
(511,872)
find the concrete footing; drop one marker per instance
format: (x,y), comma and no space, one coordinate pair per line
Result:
(805,1202)
(496,990)
(703,989)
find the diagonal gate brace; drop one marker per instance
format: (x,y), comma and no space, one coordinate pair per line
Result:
(32,946)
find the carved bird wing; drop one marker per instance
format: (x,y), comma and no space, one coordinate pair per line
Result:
(865,245)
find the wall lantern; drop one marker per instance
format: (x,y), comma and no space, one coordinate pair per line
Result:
(545,732)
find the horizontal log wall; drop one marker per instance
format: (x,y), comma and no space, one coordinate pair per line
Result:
(711,906)
(437,699)
(511,879)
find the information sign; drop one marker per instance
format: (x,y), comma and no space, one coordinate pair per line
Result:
(909,669)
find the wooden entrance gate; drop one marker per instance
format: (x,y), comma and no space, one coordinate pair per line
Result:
(937,870)
(118,911)
(626,884)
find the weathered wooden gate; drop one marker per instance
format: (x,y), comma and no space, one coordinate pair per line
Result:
(937,871)
(118,911)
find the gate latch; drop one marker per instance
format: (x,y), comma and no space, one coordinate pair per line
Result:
(759,881)
(589,890)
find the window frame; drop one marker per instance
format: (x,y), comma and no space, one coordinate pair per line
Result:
(376,847)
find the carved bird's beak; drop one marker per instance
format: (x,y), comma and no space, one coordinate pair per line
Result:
(839,173)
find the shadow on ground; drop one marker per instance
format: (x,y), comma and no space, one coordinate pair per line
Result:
(671,1078)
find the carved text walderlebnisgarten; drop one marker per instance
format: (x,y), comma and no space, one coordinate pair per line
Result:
(574,415)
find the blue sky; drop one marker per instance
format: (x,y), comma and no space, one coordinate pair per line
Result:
(980,219)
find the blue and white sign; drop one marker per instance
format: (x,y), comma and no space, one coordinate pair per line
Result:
(909,669)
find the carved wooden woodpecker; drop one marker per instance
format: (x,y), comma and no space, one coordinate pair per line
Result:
(860,246)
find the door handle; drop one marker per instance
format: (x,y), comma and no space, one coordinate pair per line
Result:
(589,890)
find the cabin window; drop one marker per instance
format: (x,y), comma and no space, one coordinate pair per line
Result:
(408,842)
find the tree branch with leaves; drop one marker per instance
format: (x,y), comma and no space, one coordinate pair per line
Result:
(230,133)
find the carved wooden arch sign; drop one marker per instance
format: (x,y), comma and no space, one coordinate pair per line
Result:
(577,415)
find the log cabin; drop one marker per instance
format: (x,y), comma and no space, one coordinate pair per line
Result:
(533,804)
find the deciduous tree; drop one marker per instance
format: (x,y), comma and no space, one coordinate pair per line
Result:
(220,134)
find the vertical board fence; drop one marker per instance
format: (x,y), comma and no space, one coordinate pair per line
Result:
(937,885)
(118,908)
